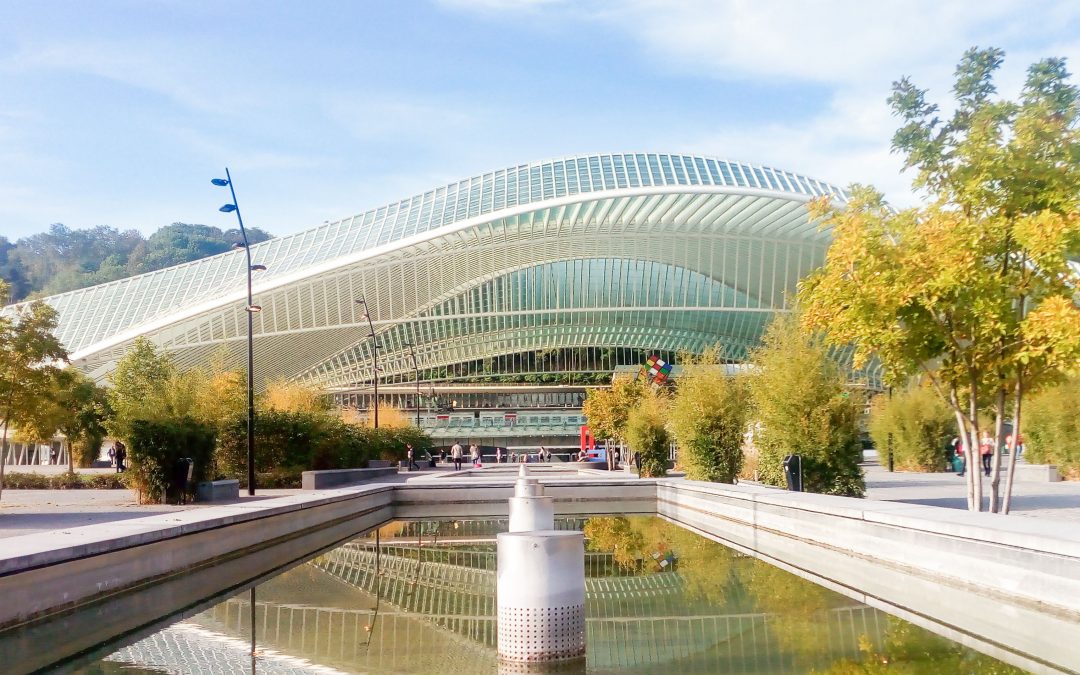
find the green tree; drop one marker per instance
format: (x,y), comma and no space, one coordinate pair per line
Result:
(917,422)
(708,419)
(607,410)
(141,388)
(1052,432)
(30,359)
(974,288)
(802,406)
(647,436)
(86,407)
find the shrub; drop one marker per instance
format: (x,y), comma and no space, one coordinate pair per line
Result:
(65,481)
(708,420)
(155,446)
(1050,427)
(920,424)
(802,406)
(26,481)
(288,443)
(647,436)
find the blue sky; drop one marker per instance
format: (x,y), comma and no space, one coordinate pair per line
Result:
(119,113)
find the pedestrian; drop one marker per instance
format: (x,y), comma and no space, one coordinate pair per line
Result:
(498,456)
(474,455)
(513,458)
(962,456)
(950,453)
(542,455)
(455,454)
(412,458)
(986,450)
(112,456)
(442,455)
(121,455)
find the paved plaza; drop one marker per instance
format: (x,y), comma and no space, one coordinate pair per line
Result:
(29,511)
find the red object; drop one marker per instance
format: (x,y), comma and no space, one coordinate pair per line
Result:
(588,441)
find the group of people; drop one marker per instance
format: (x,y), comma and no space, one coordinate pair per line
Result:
(117,456)
(458,455)
(957,448)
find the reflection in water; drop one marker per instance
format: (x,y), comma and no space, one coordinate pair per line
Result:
(420,598)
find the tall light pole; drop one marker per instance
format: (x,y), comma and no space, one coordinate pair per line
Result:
(251,308)
(416,372)
(374,356)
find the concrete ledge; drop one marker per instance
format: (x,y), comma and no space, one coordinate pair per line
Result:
(1037,473)
(379,463)
(321,480)
(217,490)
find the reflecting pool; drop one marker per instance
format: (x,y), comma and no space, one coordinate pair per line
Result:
(419,597)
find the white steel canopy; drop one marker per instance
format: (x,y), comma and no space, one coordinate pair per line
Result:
(653,251)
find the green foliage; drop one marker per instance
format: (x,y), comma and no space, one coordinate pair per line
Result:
(974,287)
(155,445)
(802,407)
(608,410)
(63,259)
(1052,432)
(141,388)
(290,442)
(708,418)
(647,436)
(66,481)
(29,358)
(920,424)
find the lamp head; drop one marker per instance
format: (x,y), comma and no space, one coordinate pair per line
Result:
(228,208)
(220,182)
(254,309)
(239,245)
(258,268)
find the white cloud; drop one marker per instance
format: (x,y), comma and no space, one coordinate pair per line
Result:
(853,48)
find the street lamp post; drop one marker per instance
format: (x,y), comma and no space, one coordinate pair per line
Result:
(416,372)
(374,356)
(251,309)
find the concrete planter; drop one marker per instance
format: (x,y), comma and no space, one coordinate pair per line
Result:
(217,490)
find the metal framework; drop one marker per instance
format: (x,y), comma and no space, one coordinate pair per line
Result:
(652,251)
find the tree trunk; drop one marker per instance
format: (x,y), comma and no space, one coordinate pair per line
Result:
(1014,444)
(3,453)
(71,455)
(995,465)
(965,443)
(974,476)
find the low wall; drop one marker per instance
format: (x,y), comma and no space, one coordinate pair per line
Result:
(49,571)
(321,480)
(983,580)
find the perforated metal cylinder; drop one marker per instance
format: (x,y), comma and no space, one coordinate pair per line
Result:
(528,487)
(541,596)
(528,514)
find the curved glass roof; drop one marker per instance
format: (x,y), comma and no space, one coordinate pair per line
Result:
(90,315)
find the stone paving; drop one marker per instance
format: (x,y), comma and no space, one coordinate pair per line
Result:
(1059,500)
(28,511)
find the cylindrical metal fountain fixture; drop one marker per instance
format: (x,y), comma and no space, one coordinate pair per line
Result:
(530,510)
(541,596)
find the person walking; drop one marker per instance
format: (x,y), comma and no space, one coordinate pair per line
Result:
(121,455)
(986,450)
(412,457)
(455,454)
(474,455)
(498,455)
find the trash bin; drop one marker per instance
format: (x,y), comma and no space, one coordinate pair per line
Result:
(793,472)
(182,479)
(957,463)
